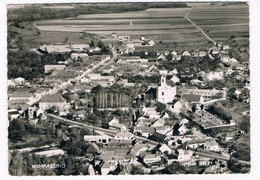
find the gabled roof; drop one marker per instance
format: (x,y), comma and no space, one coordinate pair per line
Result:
(191,97)
(20,94)
(53,98)
(124,134)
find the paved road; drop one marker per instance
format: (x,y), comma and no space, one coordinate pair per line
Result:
(106,131)
(186,17)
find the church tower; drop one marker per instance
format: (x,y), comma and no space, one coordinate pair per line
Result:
(163,80)
(165,92)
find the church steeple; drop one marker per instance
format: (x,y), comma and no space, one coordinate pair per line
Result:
(163,80)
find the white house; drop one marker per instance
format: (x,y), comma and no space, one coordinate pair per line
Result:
(212,146)
(184,155)
(124,135)
(164,148)
(50,100)
(186,53)
(175,79)
(19,80)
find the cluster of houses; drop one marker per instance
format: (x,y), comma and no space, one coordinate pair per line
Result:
(151,142)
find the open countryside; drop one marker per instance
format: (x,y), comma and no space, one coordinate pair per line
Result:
(220,22)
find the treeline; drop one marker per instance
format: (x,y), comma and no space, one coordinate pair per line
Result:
(219,110)
(30,65)
(106,99)
(36,12)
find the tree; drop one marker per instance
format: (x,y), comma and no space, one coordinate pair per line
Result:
(136,170)
(66,39)
(92,44)
(100,44)
(193,108)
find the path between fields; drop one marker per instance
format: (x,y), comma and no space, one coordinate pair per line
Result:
(186,17)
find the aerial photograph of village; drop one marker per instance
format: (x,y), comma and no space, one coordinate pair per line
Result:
(128,88)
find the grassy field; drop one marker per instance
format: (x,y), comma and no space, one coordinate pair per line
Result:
(221,22)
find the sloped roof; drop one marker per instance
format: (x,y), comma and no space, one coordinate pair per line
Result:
(124,134)
(191,97)
(53,98)
(21,94)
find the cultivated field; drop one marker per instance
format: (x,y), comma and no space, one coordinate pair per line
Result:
(167,24)
(220,22)
(164,24)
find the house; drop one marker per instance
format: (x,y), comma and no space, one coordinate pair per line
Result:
(105,168)
(144,131)
(175,79)
(54,49)
(13,114)
(123,38)
(195,53)
(230,136)
(193,98)
(138,148)
(20,95)
(108,70)
(95,49)
(212,146)
(186,53)
(225,59)
(176,57)
(162,129)
(150,43)
(161,57)
(100,138)
(173,72)
(48,68)
(165,92)
(150,112)
(151,158)
(124,135)
(11,83)
(178,106)
(182,129)
(79,47)
(165,149)
(50,100)
(76,56)
(207,94)
(202,53)
(174,53)
(184,155)
(195,143)
(157,137)
(114,120)
(214,76)
(159,122)
(114,35)
(93,149)
(213,50)
(226,47)
(19,81)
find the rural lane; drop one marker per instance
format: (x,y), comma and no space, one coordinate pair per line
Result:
(186,17)
(106,131)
